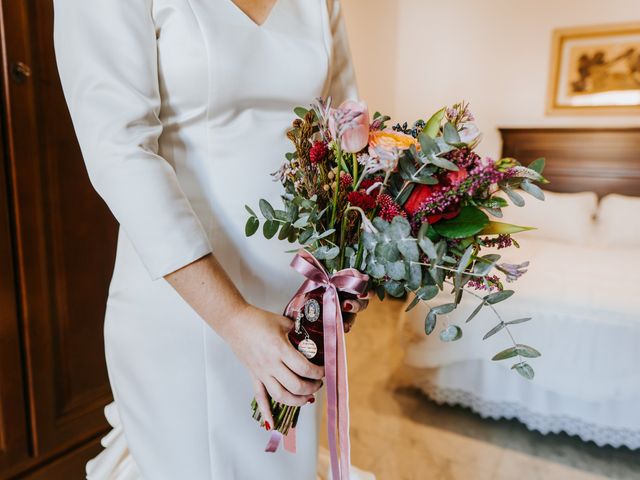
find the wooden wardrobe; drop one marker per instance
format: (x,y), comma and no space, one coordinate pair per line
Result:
(57,246)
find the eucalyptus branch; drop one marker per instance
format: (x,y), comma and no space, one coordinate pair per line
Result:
(471,274)
(506,327)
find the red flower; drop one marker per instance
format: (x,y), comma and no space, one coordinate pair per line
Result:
(346,180)
(420,194)
(362,200)
(389,208)
(318,152)
(455,178)
(368,182)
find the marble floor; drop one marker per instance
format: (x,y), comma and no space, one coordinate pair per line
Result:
(398,434)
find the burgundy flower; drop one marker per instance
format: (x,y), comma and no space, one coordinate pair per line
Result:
(318,152)
(389,208)
(360,199)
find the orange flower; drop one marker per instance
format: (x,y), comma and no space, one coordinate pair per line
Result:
(388,139)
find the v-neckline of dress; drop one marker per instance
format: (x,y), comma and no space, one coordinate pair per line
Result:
(250,20)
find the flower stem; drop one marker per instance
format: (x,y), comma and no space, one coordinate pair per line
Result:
(355,169)
(334,211)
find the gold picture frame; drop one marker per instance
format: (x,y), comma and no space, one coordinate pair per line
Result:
(595,70)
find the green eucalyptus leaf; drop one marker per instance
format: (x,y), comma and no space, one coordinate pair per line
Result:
(292,212)
(270,228)
(451,333)
(485,264)
(414,279)
(413,303)
(251,226)
(443,163)
(387,252)
(438,276)
(432,127)
(396,270)
(408,247)
(517,321)
(306,235)
(285,229)
(380,292)
(470,221)
(251,212)
(428,145)
(430,322)
(524,369)
(427,292)
(393,288)
(301,222)
(399,228)
(428,247)
(325,234)
(444,308)
(475,311)
(527,351)
(450,134)
(494,330)
(424,179)
(506,353)
(266,209)
(497,297)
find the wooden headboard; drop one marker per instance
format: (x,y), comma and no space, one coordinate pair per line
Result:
(602,160)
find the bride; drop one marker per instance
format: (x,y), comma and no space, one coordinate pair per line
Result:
(181,108)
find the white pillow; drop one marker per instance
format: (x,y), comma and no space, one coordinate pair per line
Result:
(618,221)
(565,217)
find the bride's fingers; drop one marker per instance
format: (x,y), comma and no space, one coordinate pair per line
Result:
(295,384)
(262,397)
(299,365)
(282,395)
(354,305)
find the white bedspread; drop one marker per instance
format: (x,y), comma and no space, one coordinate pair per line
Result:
(585,304)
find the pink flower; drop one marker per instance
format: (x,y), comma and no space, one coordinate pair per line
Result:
(349,124)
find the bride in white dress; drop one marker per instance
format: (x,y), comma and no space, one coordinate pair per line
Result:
(181,108)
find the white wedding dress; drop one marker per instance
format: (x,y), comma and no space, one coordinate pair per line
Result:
(181,108)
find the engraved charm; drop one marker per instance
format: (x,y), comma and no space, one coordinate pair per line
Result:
(308,348)
(312,310)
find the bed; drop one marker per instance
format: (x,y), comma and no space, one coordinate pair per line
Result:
(582,289)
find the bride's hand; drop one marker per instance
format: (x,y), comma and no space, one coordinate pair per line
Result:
(259,339)
(350,308)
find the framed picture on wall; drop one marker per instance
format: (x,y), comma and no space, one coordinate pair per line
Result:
(595,70)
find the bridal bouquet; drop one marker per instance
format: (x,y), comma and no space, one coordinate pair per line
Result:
(406,209)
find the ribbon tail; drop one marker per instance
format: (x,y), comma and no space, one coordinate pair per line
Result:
(331,370)
(290,441)
(274,442)
(343,401)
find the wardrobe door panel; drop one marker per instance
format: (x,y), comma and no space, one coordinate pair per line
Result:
(67,238)
(13,424)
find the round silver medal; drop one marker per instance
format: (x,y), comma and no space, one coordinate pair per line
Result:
(308,348)
(312,310)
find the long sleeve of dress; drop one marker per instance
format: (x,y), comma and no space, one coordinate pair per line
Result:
(107,59)
(343,80)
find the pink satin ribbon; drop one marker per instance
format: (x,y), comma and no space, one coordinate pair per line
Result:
(351,281)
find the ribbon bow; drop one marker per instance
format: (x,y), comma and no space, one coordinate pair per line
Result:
(351,281)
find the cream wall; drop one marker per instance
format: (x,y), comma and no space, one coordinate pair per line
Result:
(413,56)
